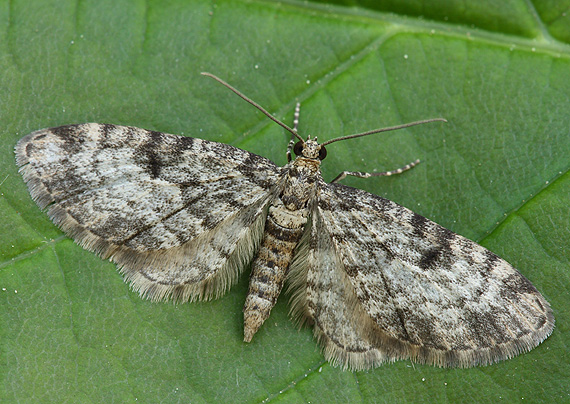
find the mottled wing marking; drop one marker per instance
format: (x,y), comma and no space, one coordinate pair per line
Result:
(322,295)
(181,216)
(408,288)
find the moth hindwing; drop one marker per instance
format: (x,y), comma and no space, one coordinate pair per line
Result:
(182,217)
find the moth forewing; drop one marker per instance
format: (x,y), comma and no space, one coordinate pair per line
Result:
(183,217)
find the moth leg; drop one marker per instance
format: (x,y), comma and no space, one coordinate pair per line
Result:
(360,174)
(295,126)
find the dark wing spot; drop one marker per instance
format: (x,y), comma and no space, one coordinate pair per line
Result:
(70,135)
(65,132)
(182,144)
(419,224)
(30,147)
(517,284)
(429,258)
(491,260)
(107,139)
(148,154)
(153,164)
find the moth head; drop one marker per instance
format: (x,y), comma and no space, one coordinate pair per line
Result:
(310,149)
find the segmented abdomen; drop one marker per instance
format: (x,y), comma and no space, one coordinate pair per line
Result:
(283,230)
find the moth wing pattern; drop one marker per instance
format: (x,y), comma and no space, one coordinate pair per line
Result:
(180,216)
(380,283)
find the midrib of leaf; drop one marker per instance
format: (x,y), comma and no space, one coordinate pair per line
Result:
(540,24)
(524,202)
(397,23)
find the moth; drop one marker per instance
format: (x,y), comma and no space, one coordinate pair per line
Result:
(183,217)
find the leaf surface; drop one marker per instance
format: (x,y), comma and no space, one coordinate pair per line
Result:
(497,172)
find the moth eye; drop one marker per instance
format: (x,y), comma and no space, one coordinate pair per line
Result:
(322,153)
(298,148)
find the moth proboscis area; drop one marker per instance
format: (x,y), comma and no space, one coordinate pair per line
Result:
(183,217)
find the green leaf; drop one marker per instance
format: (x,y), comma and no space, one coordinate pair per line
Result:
(499,72)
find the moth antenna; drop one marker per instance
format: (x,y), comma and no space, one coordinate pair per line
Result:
(370,132)
(255,104)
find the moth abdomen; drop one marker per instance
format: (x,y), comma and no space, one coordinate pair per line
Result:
(283,230)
